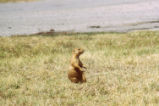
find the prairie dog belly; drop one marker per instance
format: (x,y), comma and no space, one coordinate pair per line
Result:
(74,73)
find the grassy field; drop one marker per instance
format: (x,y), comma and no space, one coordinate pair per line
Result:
(123,69)
(4,1)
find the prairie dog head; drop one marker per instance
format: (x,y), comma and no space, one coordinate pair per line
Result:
(78,51)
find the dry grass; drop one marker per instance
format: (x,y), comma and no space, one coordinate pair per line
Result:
(123,69)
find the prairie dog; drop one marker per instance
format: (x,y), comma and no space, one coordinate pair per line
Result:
(76,73)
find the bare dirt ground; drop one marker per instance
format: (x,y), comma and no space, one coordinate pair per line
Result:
(78,16)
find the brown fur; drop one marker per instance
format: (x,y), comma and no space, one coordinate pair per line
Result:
(76,73)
